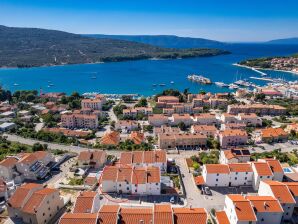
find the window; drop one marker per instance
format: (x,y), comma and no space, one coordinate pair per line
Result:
(261,177)
(235,178)
(262,220)
(127,188)
(119,185)
(268,176)
(245,178)
(216,179)
(156,184)
(236,173)
(217,174)
(43,214)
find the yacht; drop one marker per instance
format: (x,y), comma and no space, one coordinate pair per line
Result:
(172,82)
(233,86)
(199,79)
(221,84)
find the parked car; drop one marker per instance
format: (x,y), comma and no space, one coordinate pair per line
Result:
(207,191)
(172,200)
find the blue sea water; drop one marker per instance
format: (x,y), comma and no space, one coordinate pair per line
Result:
(138,76)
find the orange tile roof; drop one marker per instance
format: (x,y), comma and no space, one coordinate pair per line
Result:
(28,159)
(108,214)
(265,203)
(9,162)
(84,202)
(160,156)
(124,174)
(163,214)
(199,180)
(33,203)
(293,187)
(281,192)
(18,198)
(153,175)
(240,167)
(85,155)
(149,157)
(274,165)
(217,168)
(110,173)
(90,181)
(78,218)
(139,176)
(112,138)
(137,156)
(190,215)
(243,208)
(137,137)
(273,132)
(40,155)
(263,169)
(135,215)
(233,132)
(222,217)
(126,158)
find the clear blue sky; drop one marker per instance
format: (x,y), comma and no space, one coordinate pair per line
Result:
(225,20)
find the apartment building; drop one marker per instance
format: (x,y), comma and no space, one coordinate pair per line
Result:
(133,112)
(124,179)
(208,130)
(156,158)
(7,168)
(158,120)
(78,120)
(223,175)
(159,213)
(282,193)
(176,119)
(87,202)
(270,135)
(218,103)
(261,109)
(262,172)
(228,118)
(93,103)
(267,209)
(168,99)
(205,119)
(94,159)
(232,137)
(34,204)
(239,210)
(250,119)
(293,187)
(276,168)
(236,155)
(233,126)
(182,141)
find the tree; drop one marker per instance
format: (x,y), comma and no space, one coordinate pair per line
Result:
(37,147)
(142,102)
(182,126)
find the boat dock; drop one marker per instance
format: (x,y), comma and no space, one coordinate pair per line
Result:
(261,78)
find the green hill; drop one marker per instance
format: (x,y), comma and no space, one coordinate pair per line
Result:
(28,47)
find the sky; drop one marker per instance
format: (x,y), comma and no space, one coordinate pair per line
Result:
(223,20)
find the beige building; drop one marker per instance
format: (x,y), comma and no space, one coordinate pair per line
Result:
(250,119)
(205,119)
(181,118)
(94,159)
(262,109)
(182,141)
(232,138)
(94,104)
(208,130)
(78,120)
(158,120)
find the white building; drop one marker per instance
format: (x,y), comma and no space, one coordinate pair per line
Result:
(240,174)
(216,175)
(250,119)
(237,155)
(87,202)
(282,193)
(262,172)
(233,137)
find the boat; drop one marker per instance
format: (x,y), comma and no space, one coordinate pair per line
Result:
(233,86)
(154,84)
(199,79)
(16,84)
(172,82)
(93,77)
(162,84)
(221,84)
(51,84)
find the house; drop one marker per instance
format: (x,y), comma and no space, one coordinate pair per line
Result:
(228,118)
(293,187)
(126,125)
(166,130)
(182,141)
(134,215)
(110,138)
(270,135)
(282,193)
(7,168)
(208,130)
(239,210)
(108,214)
(158,120)
(94,159)
(162,214)
(6,126)
(87,202)
(250,119)
(233,126)
(216,175)
(276,168)
(218,103)
(137,137)
(232,137)
(205,119)
(240,174)
(156,158)
(292,127)
(34,204)
(236,155)
(221,217)
(262,172)
(168,99)
(131,180)
(267,209)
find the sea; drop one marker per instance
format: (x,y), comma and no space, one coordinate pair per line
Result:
(139,77)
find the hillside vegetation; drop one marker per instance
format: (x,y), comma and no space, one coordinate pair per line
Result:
(28,47)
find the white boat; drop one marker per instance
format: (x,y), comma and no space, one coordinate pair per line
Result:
(233,86)
(16,84)
(172,82)
(199,79)
(221,84)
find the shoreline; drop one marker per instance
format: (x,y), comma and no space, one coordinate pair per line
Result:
(265,69)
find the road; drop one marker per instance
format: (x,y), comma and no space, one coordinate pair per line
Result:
(193,194)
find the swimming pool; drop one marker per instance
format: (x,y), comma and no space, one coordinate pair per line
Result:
(288,170)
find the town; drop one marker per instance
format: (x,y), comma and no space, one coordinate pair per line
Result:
(175,157)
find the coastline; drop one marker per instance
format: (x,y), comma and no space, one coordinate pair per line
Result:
(264,69)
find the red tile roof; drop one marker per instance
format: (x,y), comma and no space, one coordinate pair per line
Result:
(136,215)
(293,187)
(217,168)
(84,202)
(263,169)
(9,162)
(108,214)
(281,192)
(265,203)
(190,215)
(240,167)
(78,218)
(222,217)
(163,214)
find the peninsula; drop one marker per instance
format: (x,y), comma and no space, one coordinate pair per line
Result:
(32,47)
(288,64)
